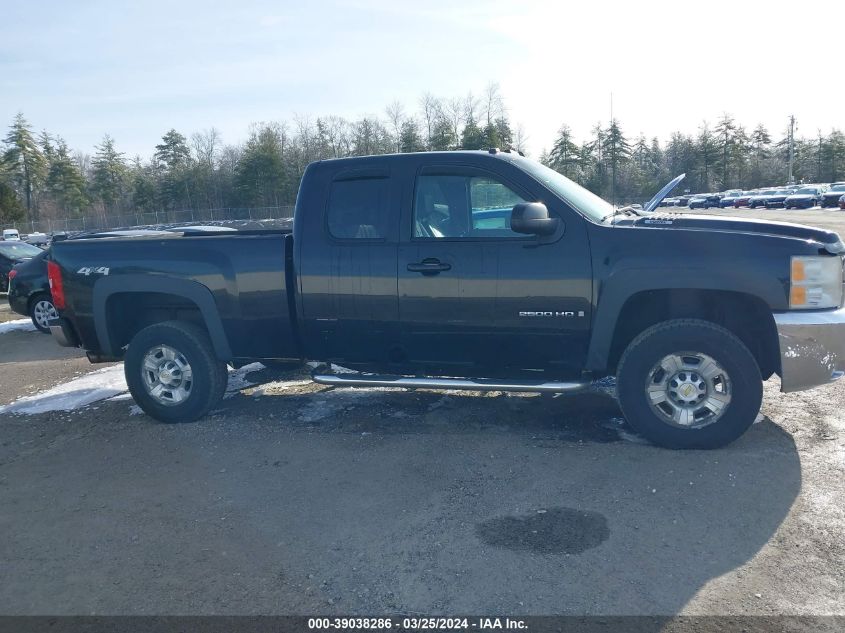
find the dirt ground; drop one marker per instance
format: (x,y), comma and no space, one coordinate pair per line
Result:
(296,498)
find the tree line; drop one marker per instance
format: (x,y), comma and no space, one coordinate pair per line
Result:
(42,178)
(724,156)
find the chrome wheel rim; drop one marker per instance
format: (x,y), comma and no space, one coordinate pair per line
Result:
(167,375)
(43,311)
(688,390)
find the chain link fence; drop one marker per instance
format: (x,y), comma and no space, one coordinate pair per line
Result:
(98,222)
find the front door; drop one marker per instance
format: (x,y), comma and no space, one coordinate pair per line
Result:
(474,294)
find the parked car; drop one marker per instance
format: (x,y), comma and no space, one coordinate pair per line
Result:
(389,272)
(13,252)
(11,235)
(683,201)
(729,198)
(743,199)
(759,198)
(697,202)
(705,201)
(804,198)
(776,200)
(38,239)
(29,291)
(830,198)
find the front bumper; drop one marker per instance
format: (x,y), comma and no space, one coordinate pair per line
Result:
(812,348)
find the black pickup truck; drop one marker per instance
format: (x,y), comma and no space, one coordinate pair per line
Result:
(468,270)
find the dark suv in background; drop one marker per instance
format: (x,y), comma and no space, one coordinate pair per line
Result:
(12,253)
(29,291)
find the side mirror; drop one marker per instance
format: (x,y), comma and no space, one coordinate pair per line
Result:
(532,218)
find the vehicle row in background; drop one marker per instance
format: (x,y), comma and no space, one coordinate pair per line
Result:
(786,197)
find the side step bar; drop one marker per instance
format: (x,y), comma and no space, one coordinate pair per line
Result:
(355,379)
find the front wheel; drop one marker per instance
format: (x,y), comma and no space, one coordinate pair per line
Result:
(688,383)
(173,373)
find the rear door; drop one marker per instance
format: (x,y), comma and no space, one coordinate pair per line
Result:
(348,267)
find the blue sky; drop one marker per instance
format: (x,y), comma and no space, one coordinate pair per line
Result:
(135,70)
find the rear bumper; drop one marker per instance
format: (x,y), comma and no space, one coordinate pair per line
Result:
(63,333)
(812,348)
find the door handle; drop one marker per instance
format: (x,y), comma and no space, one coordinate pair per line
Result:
(429,266)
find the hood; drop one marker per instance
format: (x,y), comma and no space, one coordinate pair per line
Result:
(651,205)
(802,195)
(694,222)
(834,194)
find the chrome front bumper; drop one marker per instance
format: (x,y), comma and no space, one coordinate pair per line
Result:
(812,348)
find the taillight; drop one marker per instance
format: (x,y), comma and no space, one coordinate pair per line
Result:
(54,274)
(12,274)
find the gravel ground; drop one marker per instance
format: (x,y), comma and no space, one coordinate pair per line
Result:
(296,498)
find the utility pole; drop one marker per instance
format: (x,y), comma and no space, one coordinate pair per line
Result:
(791,180)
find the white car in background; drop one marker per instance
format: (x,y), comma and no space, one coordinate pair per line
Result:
(11,235)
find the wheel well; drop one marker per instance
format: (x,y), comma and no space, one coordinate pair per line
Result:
(747,316)
(34,296)
(127,313)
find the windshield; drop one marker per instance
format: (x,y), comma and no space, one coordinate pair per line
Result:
(570,192)
(838,188)
(18,250)
(811,190)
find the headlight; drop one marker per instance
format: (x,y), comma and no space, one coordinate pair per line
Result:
(815,282)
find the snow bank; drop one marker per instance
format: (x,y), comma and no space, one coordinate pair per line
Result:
(19,325)
(104,384)
(79,392)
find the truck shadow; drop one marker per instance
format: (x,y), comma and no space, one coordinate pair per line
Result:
(526,504)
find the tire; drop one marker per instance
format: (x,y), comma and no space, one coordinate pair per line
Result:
(166,395)
(41,309)
(689,339)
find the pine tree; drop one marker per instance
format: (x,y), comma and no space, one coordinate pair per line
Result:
(472,136)
(725,130)
(65,181)
(409,137)
(24,162)
(108,171)
(174,157)
(565,156)
(260,175)
(707,150)
(617,151)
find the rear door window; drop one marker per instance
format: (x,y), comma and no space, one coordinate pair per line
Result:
(358,209)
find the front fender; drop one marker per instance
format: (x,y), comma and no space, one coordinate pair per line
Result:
(622,284)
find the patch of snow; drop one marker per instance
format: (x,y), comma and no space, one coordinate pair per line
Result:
(606,385)
(79,392)
(19,325)
(136,410)
(237,378)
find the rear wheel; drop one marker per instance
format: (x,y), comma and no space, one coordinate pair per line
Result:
(689,384)
(172,372)
(41,310)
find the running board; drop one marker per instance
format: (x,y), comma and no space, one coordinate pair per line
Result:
(355,379)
